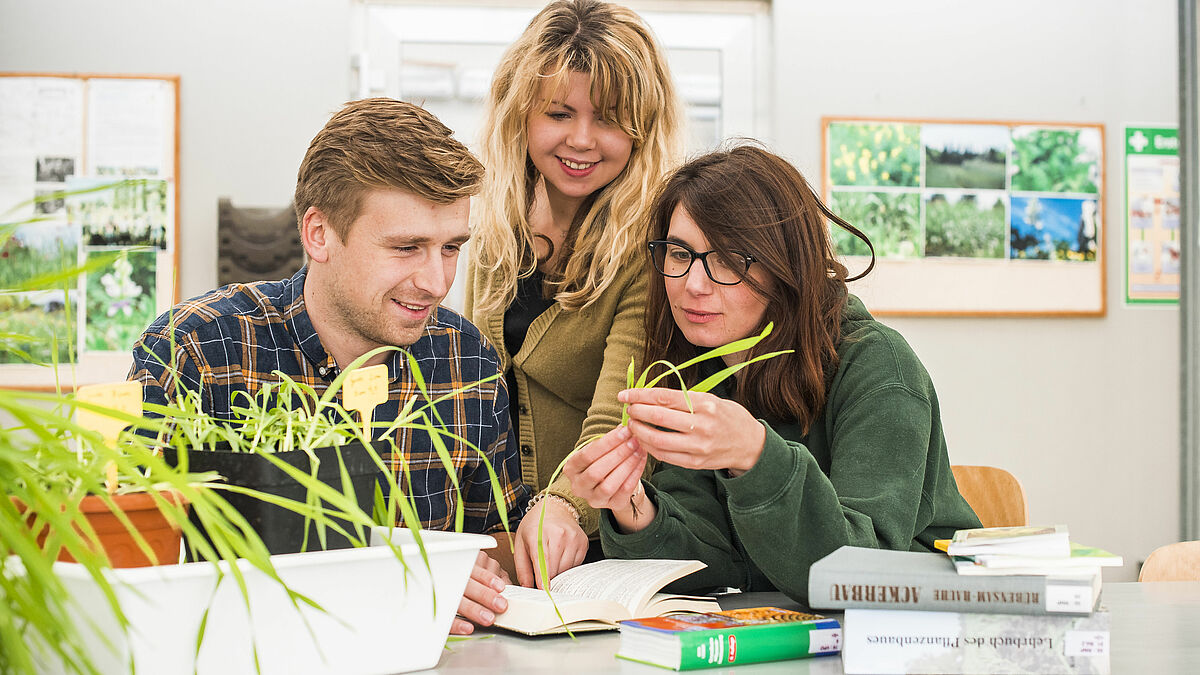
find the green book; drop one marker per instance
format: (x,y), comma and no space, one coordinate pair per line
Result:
(693,640)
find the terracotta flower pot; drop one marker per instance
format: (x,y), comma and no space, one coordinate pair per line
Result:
(122,549)
(119,545)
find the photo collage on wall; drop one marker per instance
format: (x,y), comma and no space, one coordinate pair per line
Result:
(86,182)
(984,191)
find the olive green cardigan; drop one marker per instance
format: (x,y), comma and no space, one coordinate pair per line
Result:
(568,373)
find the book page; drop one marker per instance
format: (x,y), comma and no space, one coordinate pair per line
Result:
(628,582)
(531,612)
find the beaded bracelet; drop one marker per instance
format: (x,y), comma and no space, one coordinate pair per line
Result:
(542,495)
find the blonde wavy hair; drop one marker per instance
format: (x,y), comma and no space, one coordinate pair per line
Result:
(631,86)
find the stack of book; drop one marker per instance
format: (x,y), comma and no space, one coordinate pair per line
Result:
(1006,600)
(1042,551)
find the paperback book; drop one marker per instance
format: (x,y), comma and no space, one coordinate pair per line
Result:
(690,641)
(598,595)
(1083,560)
(868,578)
(1042,542)
(902,641)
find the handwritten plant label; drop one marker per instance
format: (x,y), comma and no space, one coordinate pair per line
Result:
(364,389)
(120,397)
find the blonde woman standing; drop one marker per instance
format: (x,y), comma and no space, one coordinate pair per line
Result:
(582,123)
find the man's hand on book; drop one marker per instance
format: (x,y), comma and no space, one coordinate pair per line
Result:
(481,601)
(564,541)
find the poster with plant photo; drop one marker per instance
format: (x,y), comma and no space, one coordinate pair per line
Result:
(1053,228)
(965,156)
(42,316)
(875,169)
(119,212)
(970,217)
(875,154)
(891,220)
(1056,160)
(120,300)
(965,224)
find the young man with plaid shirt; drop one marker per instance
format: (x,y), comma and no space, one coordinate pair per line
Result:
(382,199)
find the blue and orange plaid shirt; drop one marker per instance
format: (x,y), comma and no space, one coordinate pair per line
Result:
(232,340)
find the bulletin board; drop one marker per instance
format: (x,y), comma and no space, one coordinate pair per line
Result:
(89,191)
(970,218)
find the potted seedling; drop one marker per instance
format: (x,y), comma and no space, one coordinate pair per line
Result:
(357,597)
(44,482)
(320,611)
(282,427)
(134,525)
(242,609)
(306,453)
(73,493)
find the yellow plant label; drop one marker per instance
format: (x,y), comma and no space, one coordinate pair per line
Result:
(122,397)
(364,389)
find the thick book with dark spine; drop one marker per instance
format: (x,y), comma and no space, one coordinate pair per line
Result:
(868,578)
(900,641)
(692,640)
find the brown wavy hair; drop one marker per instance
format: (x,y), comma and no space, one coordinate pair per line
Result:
(748,199)
(381,144)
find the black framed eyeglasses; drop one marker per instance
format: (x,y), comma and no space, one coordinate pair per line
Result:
(674,260)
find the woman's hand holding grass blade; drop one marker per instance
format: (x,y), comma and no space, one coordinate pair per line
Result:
(607,473)
(699,431)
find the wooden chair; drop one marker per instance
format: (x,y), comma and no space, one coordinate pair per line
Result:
(995,494)
(1174,562)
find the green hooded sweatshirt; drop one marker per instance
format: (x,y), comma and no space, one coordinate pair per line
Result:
(872,471)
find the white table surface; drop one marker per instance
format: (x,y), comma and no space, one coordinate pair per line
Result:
(1155,629)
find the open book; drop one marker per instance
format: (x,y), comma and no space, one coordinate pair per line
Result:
(597,595)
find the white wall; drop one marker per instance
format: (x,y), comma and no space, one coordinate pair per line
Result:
(1083,411)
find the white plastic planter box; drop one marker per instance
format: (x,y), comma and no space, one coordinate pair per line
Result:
(375,620)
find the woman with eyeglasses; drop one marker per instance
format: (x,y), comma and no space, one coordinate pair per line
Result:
(582,121)
(837,442)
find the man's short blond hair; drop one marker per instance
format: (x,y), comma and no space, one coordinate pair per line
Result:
(382,143)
